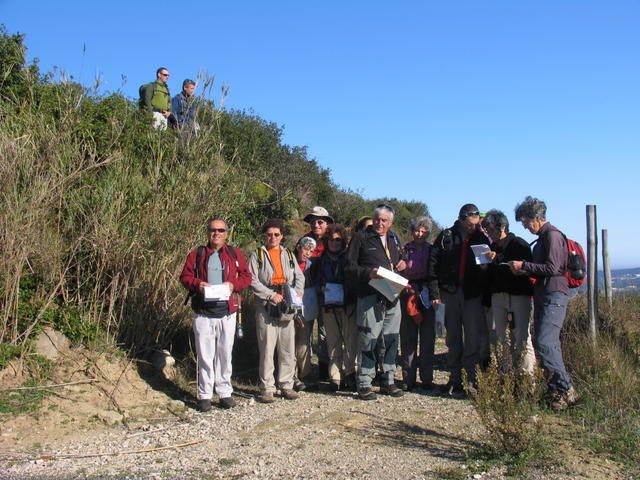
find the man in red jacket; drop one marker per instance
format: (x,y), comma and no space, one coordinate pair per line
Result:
(214,274)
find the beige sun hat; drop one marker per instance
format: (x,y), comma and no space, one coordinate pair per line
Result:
(318,212)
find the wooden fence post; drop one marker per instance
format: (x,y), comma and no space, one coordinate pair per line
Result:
(606,266)
(592,270)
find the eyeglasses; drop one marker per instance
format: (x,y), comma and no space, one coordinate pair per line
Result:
(218,230)
(276,235)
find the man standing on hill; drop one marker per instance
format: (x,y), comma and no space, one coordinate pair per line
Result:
(214,310)
(378,319)
(183,107)
(155,98)
(318,219)
(455,280)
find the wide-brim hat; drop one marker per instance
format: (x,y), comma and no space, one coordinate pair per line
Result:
(318,212)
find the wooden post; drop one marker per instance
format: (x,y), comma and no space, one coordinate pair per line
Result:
(608,291)
(592,270)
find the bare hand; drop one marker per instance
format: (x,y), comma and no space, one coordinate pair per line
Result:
(435,302)
(230,285)
(401,265)
(202,285)
(491,255)
(277,298)
(516,266)
(374,273)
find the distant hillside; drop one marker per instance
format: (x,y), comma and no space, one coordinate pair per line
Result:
(625,280)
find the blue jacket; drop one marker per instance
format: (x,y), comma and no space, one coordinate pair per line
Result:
(183,108)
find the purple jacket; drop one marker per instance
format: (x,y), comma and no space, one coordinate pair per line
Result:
(417,261)
(549,262)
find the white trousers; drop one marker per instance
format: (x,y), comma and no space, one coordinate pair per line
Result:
(159,121)
(214,344)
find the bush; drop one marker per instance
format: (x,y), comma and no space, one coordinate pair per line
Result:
(607,376)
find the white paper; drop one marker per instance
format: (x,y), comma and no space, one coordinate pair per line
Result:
(480,252)
(333,294)
(218,293)
(296,300)
(390,285)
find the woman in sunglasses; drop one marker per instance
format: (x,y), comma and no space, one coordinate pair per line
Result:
(276,276)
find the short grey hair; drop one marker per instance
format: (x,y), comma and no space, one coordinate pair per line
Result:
(384,208)
(216,219)
(420,222)
(497,218)
(530,208)
(187,82)
(307,242)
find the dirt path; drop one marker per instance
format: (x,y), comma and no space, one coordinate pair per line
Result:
(320,435)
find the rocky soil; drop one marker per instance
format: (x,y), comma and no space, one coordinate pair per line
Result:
(122,426)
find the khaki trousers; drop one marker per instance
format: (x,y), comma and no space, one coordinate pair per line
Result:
(303,350)
(342,340)
(519,347)
(275,335)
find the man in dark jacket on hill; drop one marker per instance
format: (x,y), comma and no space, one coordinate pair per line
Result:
(455,280)
(510,294)
(214,318)
(377,318)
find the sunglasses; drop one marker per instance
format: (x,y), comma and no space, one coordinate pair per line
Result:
(470,214)
(218,230)
(387,207)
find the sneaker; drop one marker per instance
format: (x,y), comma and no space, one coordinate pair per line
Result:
(266,397)
(227,402)
(406,386)
(204,405)
(366,394)
(289,394)
(428,386)
(392,390)
(299,386)
(571,396)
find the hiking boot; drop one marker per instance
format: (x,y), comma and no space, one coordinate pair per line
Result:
(366,394)
(351,383)
(334,386)
(266,397)
(559,401)
(428,386)
(289,394)
(392,390)
(227,402)
(204,405)
(323,372)
(451,388)
(299,386)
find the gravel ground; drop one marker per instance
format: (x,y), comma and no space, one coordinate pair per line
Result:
(320,435)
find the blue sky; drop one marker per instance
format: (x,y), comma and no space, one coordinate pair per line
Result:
(445,102)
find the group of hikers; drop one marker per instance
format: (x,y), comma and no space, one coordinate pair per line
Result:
(330,279)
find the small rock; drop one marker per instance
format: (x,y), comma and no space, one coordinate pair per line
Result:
(49,343)
(109,417)
(477,476)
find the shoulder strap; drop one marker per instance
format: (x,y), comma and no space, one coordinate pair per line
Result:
(260,257)
(198,259)
(234,255)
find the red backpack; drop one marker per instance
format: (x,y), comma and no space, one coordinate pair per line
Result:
(576,262)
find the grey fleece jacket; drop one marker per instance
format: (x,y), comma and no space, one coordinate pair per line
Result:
(261,277)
